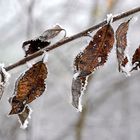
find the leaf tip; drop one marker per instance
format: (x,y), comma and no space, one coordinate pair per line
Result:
(78,106)
(25,125)
(12,112)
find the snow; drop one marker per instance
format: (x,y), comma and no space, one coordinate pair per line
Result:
(109,18)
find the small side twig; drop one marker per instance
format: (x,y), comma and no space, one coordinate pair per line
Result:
(71,38)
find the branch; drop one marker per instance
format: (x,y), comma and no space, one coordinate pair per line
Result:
(71,38)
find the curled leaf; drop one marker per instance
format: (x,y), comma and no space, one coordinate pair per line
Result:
(121,43)
(93,56)
(78,87)
(136,59)
(51,33)
(29,86)
(24,116)
(32,46)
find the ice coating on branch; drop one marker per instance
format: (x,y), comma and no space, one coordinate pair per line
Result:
(109,18)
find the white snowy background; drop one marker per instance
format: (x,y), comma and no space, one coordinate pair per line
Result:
(111,102)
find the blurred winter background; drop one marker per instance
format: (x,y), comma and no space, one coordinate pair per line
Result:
(111,102)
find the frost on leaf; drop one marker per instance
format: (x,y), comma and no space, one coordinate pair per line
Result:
(109,18)
(45,57)
(28,87)
(31,46)
(4,77)
(24,116)
(78,88)
(51,33)
(93,56)
(136,59)
(121,44)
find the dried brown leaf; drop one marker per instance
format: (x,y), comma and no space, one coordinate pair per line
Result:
(17,105)
(93,56)
(96,53)
(136,59)
(121,43)
(32,46)
(30,86)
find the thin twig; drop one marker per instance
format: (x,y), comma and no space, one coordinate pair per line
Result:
(71,38)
